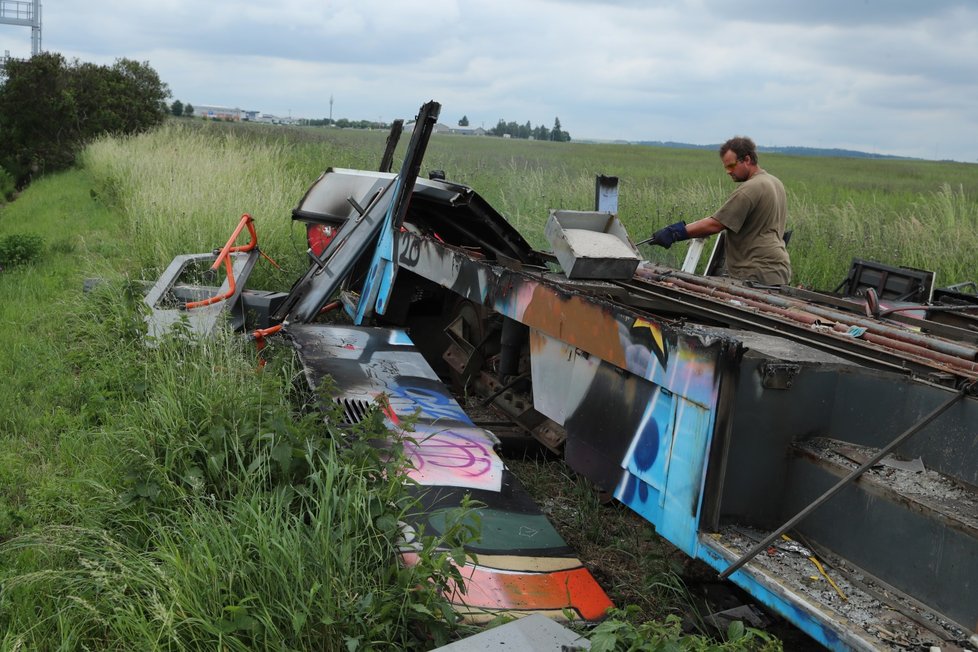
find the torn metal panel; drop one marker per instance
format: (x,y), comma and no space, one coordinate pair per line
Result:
(358,203)
(364,363)
(166,310)
(523,565)
(534,632)
(355,204)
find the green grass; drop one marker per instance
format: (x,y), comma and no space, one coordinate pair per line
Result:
(175,498)
(893,212)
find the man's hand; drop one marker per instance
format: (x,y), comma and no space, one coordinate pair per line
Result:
(666,236)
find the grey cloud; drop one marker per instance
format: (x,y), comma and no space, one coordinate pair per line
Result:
(844,13)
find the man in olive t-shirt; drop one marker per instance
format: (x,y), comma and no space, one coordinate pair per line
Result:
(753,217)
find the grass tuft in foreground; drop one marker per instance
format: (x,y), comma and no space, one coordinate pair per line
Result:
(220,517)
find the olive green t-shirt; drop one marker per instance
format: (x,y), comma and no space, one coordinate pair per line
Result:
(754,216)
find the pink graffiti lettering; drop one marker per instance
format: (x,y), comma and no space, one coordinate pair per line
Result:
(451,458)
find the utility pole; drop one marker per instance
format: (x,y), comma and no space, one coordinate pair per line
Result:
(330,108)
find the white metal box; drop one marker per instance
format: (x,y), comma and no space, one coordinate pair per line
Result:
(591,245)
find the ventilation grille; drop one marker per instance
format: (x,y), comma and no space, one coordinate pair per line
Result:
(354,410)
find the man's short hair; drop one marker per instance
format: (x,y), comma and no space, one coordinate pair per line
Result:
(742,146)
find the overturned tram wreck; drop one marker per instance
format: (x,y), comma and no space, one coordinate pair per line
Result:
(819,450)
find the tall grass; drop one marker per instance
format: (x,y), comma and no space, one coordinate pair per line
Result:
(174,497)
(185,185)
(911,213)
(184,189)
(208,513)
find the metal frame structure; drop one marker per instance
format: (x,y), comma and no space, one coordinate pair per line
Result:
(25,13)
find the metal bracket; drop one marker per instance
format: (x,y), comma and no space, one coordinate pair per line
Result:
(778,375)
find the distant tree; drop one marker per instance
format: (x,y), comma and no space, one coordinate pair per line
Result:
(188,109)
(556,133)
(464,122)
(176,108)
(32,102)
(50,108)
(514,130)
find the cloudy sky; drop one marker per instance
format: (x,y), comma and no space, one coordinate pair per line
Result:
(886,76)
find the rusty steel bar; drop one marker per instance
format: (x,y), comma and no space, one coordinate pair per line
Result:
(811,317)
(932,347)
(928,341)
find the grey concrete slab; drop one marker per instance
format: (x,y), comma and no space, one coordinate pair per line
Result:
(534,632)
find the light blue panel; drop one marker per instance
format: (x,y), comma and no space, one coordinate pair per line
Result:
(649,456)
(399,338)
(667,491)
(687,473)
(643,499)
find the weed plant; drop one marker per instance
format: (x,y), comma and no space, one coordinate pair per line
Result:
(20,249)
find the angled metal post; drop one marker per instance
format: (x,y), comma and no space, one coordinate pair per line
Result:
(383,267)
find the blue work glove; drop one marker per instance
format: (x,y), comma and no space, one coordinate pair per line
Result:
(666,236)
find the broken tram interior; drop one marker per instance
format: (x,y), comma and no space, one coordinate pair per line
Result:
(817,449)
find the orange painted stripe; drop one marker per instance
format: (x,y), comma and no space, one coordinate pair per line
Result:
(492,589)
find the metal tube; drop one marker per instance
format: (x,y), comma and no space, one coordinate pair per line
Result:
(931,342)
(960,357)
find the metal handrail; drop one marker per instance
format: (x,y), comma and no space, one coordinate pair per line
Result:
(225,257)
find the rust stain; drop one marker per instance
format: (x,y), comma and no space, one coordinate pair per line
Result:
(576,321)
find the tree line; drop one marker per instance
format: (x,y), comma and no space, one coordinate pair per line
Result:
(540,132)
(50,108)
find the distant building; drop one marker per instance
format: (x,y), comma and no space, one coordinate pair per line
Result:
(439,128)
(238,115)
(219,112)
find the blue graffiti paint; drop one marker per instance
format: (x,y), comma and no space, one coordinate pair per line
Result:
(658,420)
(628,492)
(648,445)
(430,396)
(399,338)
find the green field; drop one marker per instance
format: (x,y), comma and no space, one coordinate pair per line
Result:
(910,213)
(174,498)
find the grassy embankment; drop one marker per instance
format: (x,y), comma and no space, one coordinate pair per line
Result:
(173,497)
